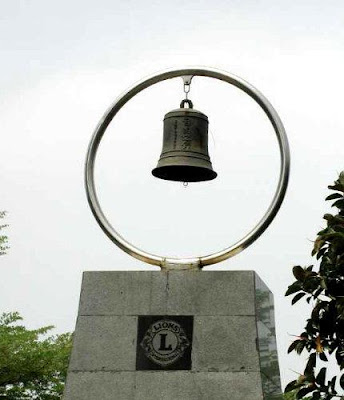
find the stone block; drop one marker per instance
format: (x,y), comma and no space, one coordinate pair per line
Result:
(104,343)
(163,386)
(146,292)
(100,386)
(198,386)
(123,293)
(211,293)
(225,344)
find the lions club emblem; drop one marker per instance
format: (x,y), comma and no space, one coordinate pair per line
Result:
(164,342)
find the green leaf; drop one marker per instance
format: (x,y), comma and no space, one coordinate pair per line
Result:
(320,379)
(302,392)
(309,370)
(293,345)
(297,297)
(336,186)
(341,381)
(293,288)
(317,292)
(338,204)
(299,273)
(334,196)
(332,384)
(291,386)
(341,178)
(318,244)
(323,283)
(311,284)
(328,217)
(320,253)
(300,346)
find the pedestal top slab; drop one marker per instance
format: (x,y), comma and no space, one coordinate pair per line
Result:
(173,292)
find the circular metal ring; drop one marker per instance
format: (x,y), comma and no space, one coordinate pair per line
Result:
(194,262)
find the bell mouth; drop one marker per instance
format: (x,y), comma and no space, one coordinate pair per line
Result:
(184,173)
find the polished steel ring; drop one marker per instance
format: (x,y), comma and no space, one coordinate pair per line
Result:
(194,262)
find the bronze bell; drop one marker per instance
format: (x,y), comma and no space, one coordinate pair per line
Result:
(184,155)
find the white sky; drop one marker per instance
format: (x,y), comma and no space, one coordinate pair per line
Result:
(63,63)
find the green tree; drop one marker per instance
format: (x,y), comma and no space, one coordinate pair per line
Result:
(324,286)
(32,364)
(3,238)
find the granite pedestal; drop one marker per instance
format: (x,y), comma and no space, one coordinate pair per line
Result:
(186,335)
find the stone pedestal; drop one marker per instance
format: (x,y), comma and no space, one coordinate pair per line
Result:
(201,335)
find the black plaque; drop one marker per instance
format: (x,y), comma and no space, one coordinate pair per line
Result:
(164,342)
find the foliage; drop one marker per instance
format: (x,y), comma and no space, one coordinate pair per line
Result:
(324,331)
(31,367)
(292,396)
(3,238)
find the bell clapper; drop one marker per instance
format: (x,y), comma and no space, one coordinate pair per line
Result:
(185,184)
